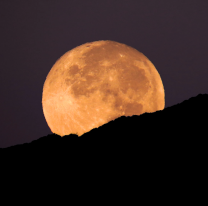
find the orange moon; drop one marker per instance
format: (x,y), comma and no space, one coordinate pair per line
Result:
(97,82)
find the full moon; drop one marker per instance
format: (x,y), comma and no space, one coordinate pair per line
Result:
(97,82)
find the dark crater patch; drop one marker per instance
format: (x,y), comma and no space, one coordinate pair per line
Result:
(135,79)
(133,109)
(73,70)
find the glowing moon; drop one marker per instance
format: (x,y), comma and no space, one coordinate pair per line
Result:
(97,82)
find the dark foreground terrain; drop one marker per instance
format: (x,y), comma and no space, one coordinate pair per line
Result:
(160,155)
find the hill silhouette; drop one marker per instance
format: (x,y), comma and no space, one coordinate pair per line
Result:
(176,130)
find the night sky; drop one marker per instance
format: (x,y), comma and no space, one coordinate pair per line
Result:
(34,34)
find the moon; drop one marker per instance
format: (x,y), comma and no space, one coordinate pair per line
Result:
(97,82)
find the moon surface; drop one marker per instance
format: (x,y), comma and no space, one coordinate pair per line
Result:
(97,82)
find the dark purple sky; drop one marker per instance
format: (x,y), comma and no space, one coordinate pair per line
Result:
(34,34)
